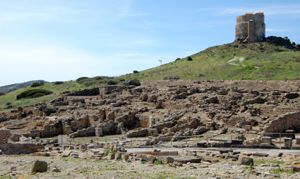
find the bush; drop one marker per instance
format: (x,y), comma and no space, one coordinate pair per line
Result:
(8,105)
(177,59)
(279,41)
(81,79)
(135,72)
(33,93)
(49,111)
(37,84)
(1,94)
(132,83)
(58,83)
(86,92)
(112,82)
(189,58)
(201,75)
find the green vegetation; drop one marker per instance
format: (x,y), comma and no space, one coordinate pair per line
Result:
(158,162)
(33,93)
(278,171)
(161,175)
(10,98)
(5,177)
(256,61)
(260,162)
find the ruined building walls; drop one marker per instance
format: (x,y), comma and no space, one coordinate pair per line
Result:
(250,28)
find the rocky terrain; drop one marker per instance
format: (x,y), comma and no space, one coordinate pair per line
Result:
(161,114)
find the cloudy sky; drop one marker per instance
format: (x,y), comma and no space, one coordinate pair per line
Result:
(66,39)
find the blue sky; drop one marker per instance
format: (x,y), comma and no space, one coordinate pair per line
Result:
(66,39)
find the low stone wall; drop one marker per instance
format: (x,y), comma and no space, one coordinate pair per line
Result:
(283,123)
(17,149)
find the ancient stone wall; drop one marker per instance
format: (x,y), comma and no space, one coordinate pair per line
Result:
(250,28)
(4,136)
(284,122)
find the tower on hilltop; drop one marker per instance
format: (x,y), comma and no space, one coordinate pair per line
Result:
(250,28)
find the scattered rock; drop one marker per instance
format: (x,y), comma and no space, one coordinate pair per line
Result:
(292,95)
(243,160)
(39,167)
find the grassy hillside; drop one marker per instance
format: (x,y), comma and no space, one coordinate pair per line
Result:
(10,99)
(257,61)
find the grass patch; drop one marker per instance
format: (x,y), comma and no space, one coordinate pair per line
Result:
(162,175)
(279,171)
(255,61)
(33,93)
(5,177)
(158,162)
(261,162)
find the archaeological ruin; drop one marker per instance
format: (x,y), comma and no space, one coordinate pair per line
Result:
(250,28)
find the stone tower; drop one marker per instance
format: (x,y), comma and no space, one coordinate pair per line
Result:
(250,28)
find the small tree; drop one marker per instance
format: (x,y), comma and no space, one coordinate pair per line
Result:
(189,58)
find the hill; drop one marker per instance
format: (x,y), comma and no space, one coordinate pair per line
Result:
(277,59)
(10,100)
(255,61)
(13,87)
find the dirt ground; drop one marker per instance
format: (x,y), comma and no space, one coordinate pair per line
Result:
(92,168)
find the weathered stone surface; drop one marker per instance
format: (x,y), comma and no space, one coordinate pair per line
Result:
(292,95)
(137,133)
(86,92)
(283,123)
(133,83)
(108,128)
(39,167)
(90,131)
(17,149)
(187,159)
(250,28)
(243,160)
(4,136)
(257,100)
(213,100)
(200,130)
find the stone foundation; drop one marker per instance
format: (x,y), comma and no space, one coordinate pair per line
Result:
(284,122)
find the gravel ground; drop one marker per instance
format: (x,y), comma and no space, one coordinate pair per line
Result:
(90,168)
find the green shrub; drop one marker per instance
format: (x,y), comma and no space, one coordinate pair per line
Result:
(177,59)
(81,79)
(33,93)
(135,72)
(112,82)
(37,84)
(58,83)
(158,162)
(189,58)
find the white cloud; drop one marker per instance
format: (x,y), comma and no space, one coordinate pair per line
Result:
(271,10)
(23,61)
(31,11)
